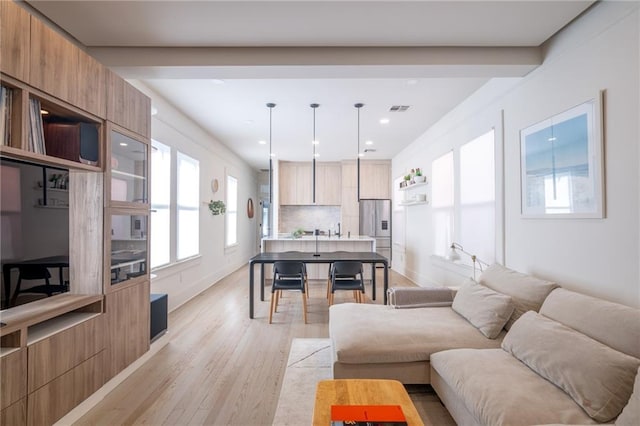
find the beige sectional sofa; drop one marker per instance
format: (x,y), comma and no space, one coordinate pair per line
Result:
(574,362)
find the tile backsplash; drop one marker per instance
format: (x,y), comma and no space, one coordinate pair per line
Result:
(308,218)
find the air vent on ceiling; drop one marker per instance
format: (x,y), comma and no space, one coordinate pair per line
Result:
(399,108)
(369,150)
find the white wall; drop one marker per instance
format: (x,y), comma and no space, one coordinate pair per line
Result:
(187,279)
(599,51)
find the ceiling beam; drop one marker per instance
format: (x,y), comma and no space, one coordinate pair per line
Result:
(319,62)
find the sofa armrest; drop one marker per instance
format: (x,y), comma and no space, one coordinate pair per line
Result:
(419,297)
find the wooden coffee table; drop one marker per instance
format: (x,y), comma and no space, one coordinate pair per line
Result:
(362,392)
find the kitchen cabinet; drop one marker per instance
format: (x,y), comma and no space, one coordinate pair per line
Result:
(375,180)
(328,184)
(14,40)
(296,183)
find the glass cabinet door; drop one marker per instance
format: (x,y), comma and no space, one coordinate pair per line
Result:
(129,234)
(128,169)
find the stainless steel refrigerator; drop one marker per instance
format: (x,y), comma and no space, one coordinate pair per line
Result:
(375,221)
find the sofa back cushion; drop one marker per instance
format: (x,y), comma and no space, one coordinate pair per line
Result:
(597,377)
(613,324)
(485,309)
(527,292)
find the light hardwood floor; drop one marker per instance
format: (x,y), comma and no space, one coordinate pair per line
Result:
(220,367)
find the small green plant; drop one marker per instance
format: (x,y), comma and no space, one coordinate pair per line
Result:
(407,177)
(418,172)
(217,207)
(298,233)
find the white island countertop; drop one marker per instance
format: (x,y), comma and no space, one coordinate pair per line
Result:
(288,237)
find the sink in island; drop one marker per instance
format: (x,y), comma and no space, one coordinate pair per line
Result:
(285,242)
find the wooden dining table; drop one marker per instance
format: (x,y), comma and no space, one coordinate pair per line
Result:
(264,258)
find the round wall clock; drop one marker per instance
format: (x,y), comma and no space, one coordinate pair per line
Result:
(250,208)
(214,185)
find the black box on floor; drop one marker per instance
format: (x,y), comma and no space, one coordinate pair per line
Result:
(159,310)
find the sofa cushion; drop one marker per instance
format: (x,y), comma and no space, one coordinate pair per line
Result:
(599,378)
(615,325)
(366,333)
(486,309)
(630,415)
(527,292)
(499,390)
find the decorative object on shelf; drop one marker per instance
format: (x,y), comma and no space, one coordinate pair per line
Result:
(561,164)
(217,207)
(358,106)
(453,256)
(271,106)
(250,208)
(314,142)
(419,177)
(297,233)
(214,185)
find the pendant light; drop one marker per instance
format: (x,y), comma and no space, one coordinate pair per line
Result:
(270,106)
(314,142)
(358,106)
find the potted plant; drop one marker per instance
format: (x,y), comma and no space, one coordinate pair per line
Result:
(217,207)
(419,177)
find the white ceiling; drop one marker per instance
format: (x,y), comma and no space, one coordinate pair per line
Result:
(220,62)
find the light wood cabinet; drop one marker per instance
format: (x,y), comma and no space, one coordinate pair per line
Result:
(375,179)
(55,399)
(92,93)
(296,183)
(14,377)
(14,40)
(127,323)
(54,62)
(328,184)
(15,414)
(127,106)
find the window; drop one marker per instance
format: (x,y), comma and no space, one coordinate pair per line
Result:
(442,202)
(175,213)
(188,190)
(160,204)
(232,211)
(463,199)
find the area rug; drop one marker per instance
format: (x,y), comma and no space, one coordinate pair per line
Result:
(309,362)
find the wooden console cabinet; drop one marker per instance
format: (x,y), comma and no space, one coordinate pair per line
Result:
(57,351)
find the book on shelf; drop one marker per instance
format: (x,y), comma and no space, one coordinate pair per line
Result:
(36,128)
(367,415)
(6,97)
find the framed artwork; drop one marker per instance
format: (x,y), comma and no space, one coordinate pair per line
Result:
(561,164)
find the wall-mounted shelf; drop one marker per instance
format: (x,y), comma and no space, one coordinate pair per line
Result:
(414,203)
(415,185)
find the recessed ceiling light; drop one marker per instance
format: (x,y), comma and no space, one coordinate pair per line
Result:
(316,155)
(384,121)
(315,142)
(217,81)
(272,154)
(44,112)
(124,144)
(368,143)
(361,154)
(262,142)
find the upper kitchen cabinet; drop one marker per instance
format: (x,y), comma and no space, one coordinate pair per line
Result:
(14,40)
(127,106)
(295,183)
(328,184)
(375,179)
(92,93)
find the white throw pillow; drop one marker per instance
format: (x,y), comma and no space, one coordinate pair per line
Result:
(630,416)
(597,377)
(486,309)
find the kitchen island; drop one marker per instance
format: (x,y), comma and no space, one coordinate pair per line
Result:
(284,242)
